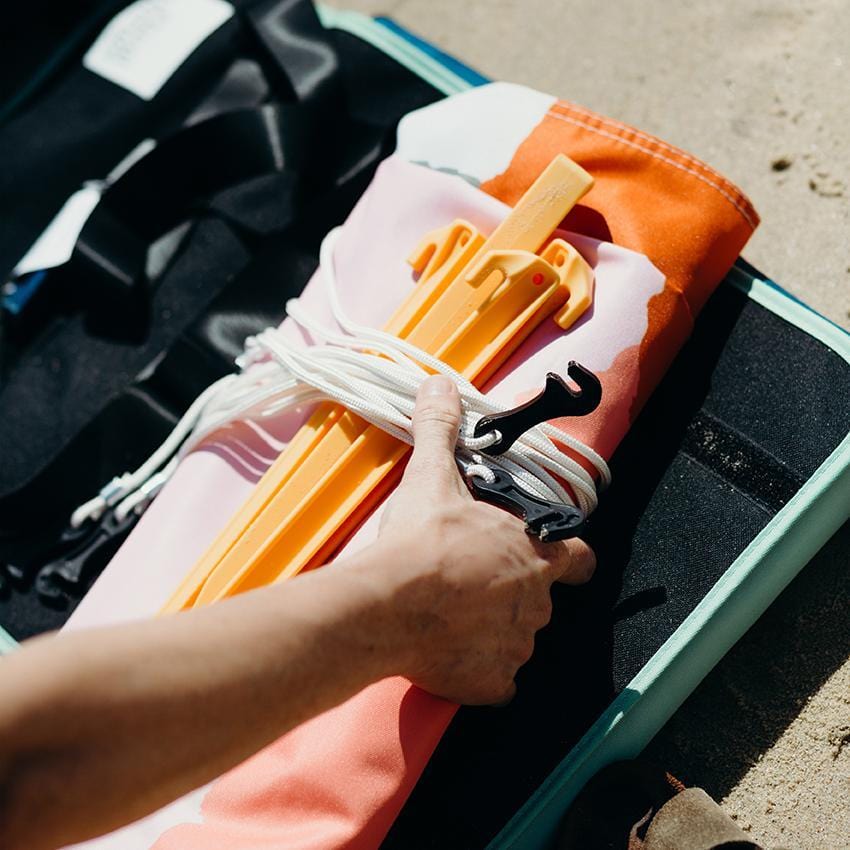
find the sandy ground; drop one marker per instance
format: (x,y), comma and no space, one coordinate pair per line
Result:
(760,90)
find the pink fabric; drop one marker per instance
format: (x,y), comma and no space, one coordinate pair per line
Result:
(340,780)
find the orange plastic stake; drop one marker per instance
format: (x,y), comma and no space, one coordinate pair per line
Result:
(476,300)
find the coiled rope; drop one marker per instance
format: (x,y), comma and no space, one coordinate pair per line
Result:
(375,375)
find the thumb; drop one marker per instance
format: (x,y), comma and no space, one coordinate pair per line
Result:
(436,421)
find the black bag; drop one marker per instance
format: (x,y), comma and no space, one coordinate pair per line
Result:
(266,136)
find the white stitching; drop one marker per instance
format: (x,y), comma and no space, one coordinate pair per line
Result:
(652,139)
(694,172)
(617,125)
(660,156)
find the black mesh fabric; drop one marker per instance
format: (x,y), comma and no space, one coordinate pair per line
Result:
(749,410)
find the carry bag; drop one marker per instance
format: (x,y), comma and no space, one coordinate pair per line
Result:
(229,174)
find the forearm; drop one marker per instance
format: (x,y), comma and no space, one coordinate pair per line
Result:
(110,724)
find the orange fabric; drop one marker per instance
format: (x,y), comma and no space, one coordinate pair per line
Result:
(340,780)
(652,198)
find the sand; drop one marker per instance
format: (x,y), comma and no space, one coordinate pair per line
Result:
(760,90)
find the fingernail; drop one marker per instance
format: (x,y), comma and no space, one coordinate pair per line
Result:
(437,385)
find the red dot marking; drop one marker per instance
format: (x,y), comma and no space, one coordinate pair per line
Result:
(537,279)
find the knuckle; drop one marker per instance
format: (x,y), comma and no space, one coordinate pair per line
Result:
(524,649)
(507,690)
(579,561)
(439,469)
(544,610)
(431,414)
(447,518)
(508,527)
(551,555)
(548,565)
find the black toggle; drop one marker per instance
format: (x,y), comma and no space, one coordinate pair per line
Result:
(557,399)
(549,521)
(68,575)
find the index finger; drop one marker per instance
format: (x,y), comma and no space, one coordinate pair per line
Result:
(572,561)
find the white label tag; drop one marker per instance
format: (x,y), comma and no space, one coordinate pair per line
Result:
(141,47)
(56,244)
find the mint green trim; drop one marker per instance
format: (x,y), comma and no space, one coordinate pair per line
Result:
(7,642)
(792,311)
(735,602)
(405,53)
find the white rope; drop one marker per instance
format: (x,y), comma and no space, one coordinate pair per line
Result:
(375,375)
(121,486)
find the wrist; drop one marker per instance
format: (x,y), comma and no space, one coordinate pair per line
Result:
(377,579)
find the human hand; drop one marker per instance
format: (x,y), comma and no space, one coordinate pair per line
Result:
(469,587)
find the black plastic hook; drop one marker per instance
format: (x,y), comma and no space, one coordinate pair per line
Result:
(68,575)
(548,521)
(556,399)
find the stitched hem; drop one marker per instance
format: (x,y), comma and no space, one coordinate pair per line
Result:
(660,150)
